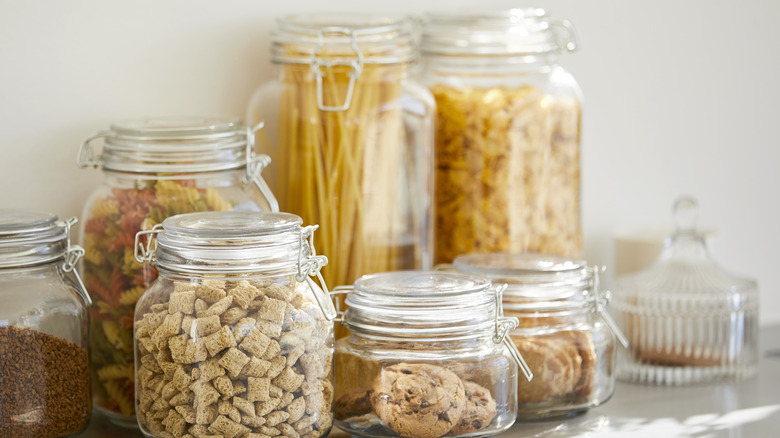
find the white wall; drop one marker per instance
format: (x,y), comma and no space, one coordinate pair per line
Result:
(681,97)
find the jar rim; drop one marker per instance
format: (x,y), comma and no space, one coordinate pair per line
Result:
(30,238)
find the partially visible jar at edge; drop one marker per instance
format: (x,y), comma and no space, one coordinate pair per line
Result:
(153,168)
(507,140)
(350,135)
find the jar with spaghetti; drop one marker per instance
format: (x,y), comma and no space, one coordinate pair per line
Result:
(427,356)
(44,329)
(350,135)
(152,168)
(507,138)
(235,338)
(564,333)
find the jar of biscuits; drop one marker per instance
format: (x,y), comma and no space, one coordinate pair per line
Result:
(427,356)
(152,169)
(564,332)
(507,138)
(44,329)
(234,338)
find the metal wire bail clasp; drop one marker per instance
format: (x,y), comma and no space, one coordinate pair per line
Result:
(255,163)
(73,253)
(503,325)
(149,253)
(86,156)
(600,302)
(319,65)
(309,266)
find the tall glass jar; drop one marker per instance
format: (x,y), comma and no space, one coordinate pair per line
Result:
(153,168)
(234,338)
(426,357)
(44,329)
(351,139)
(564,332)
(507,140)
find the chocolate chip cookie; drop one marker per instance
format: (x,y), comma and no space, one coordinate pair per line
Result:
(418,400)
(479,411)
(353,404)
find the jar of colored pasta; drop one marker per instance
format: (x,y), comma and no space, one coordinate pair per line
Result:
(427,356)
(507,153)
(152,169)
(235,338)
(44,329)
(564,333)
(351,139)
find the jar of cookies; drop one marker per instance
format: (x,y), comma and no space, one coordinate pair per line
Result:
(507,138)
(564,332)
(234,338)
(152,169)
(427,356)
(44,329)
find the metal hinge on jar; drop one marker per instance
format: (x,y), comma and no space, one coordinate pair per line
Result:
(73,253)
(320,65)
(503,325)
(599,303)
(309,266)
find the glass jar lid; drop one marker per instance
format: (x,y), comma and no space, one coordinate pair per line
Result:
(510,32)
(31,238)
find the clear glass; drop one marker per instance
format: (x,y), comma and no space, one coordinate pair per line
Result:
(44,334)
(358,161)
(227,341)
(688,320)
(507,138)
(421,361)
(561,335)
(152,169)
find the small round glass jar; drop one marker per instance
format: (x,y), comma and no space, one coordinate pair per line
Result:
(507,138)
(153,168)
(564,332)
(44,329)
(426,357)
(234,337)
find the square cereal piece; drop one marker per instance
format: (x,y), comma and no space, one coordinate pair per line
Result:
(149,362)
(187,412)
(183,286)
(277,366)
(146,345)
(220,306)
(238,387)
(295,354)
(210,293)
(304,423)
(266,407)
(233,361)
(169,390)
(257,389)
(224,385)
(275,418)
(200,306)
(195,351)
(273,351)
(287,430)
(198,430)
(276,392)
(244,406)
(205,393)
(232,315)
(285,400)
(183,399)
(183,302)
(145,400)
(227,409)
(252,422)
(209,369)
(255,343)
(288,380)
(270,329)
(279,292)
(243,327)
(270,431)
(178,346)
(255,368)
(174,423)
(159,307)
(313,365)
(182,379)
(205,414)
(160,405)
(272,310)
(205,326)
(227,427)
(170,326)
(296,409)
(243,294)
(220,340)
(149,323)
(186,324)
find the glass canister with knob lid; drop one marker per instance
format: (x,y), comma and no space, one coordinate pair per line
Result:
(507,138)
(688,320)
(234,338)
(44,329)
(153,168)
(427,356)
(564,332)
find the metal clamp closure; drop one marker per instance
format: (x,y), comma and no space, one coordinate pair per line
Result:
(86,156)
(319,65)
(340,290)
(255,163)
(600,302)
(503,325)
(310,266)
(149,253)
(74,253)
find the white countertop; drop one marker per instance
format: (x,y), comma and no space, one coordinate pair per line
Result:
(748,408)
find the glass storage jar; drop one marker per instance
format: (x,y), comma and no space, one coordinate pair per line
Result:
(153,168)
(44,329)
(426,357)
(234,337)
(350,135)
(688,320)
(564,332)
(507,138)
